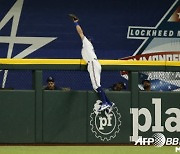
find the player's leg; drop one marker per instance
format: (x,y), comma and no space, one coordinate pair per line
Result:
(98,76)
(94,69)
(95,81)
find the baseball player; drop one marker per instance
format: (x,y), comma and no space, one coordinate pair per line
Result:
(93,66)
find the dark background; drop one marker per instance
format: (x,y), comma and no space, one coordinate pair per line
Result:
(106,21)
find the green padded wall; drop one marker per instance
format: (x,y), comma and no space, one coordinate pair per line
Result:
(17,116)
(64,117)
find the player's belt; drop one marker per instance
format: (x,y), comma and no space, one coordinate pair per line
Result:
(91,60)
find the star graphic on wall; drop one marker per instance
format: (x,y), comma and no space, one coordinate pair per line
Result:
(34,42)
(169,87)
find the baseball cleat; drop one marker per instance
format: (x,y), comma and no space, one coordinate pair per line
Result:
(104,106)
(112,104)
(73,17)
(109,109)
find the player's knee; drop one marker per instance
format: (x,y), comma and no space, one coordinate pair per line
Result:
(95,88)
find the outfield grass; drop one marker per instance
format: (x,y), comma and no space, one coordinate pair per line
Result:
(86,150)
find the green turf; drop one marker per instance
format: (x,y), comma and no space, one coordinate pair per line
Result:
(86,150)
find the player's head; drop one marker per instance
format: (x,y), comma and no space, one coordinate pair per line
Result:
(146,85)
(118,86)
(50,83)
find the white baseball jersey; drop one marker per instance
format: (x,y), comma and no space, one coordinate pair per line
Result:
(94,67)
(87,51)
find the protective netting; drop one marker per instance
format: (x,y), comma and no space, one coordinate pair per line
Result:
(75,80)
(79,80)
(16,79)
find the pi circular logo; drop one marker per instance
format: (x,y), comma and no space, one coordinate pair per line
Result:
(105,124)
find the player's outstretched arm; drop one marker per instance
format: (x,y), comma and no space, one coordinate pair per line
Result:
(79,30)
(78,27)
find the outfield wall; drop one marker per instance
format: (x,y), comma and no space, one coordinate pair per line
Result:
(38,116)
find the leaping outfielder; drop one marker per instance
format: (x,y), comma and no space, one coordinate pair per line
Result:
(93,66)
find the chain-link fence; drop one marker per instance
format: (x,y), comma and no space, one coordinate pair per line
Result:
(16,79)
(80,80)
(75,80)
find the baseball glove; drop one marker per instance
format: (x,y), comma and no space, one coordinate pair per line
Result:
(73,17)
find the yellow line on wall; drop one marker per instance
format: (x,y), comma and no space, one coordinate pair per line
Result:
(131,63)
(40,61)
(82,62)
(172,63)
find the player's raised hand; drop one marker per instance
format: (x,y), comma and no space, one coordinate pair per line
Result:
(73,17)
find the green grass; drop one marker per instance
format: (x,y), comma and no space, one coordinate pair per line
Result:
(86,150)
